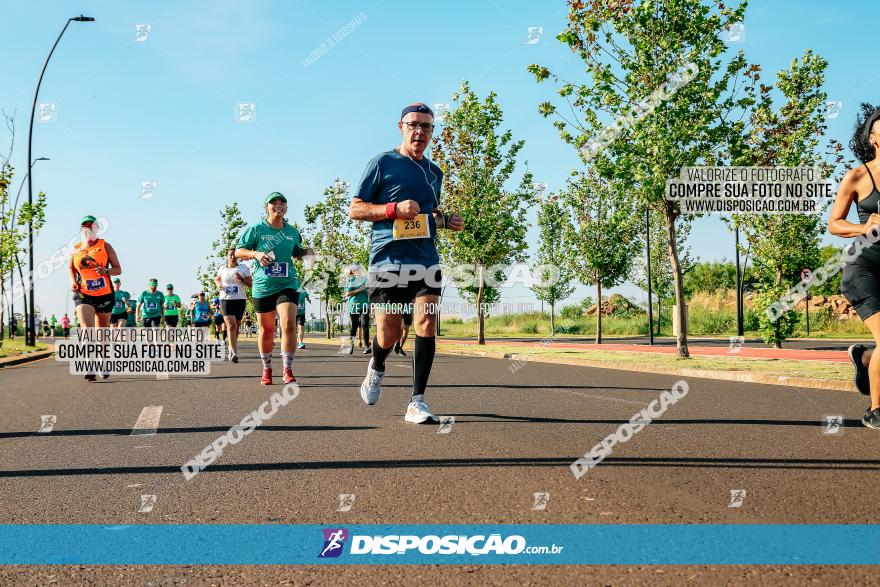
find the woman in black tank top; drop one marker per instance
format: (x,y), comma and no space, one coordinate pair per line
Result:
(860,282)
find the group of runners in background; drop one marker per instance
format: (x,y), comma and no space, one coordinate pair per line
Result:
(399,194)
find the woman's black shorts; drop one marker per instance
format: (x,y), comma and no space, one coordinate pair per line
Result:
(860,284)
(233,308)
(269,303)
(102,304)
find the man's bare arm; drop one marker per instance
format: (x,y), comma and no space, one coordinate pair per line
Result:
(360,210)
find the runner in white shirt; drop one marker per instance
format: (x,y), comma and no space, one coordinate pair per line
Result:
(231,281)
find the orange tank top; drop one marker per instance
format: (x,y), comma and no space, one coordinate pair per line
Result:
(87,258)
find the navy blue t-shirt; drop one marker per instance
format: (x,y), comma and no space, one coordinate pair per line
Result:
(392,177)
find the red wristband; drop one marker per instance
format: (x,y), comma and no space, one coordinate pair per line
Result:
(391,210)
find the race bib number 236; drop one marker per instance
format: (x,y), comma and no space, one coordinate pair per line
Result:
(417,227)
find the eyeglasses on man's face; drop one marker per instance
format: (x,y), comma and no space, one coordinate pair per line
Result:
(425,126)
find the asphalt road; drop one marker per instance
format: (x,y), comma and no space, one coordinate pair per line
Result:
(514,434)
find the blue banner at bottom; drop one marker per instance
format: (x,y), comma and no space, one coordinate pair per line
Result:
(636,544)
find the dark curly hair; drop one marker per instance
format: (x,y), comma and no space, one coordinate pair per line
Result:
(859,143)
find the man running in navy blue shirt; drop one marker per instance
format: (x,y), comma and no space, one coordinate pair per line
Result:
(400,194)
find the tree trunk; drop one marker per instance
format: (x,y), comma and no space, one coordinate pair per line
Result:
(481,333)
(678,280)
(552,318)
(599,311)
(327,320)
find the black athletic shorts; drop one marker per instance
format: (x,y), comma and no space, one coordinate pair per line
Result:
(218,319)
(407,318)
(152,322)
(384,287)
(287,295)
(233,308)
(171,320)
(114,318)
(301,319)
(860,284)
(201,324)
(102,304)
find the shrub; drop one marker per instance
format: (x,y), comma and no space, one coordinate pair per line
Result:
(530,328)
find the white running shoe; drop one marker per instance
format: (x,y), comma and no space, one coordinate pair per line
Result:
(418,411)
(371,388)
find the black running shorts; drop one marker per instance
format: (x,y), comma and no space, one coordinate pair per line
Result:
(102,304)
(233,308)
(269,303)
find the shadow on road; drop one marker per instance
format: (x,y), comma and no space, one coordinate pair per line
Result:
(496,386)
(688,462)
(127,431)
(498,418)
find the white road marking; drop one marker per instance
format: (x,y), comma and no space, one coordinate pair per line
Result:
(148,422)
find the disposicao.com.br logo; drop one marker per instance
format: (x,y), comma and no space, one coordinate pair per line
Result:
(493,544)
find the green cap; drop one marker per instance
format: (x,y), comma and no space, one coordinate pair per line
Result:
(169,286)
(117,280)
(154,282)
(91,219)
(276,196)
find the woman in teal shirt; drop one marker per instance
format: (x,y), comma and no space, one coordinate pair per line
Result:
(272,244)
(358,306)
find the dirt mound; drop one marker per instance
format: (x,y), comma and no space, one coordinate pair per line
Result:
(616,305)
(835,305)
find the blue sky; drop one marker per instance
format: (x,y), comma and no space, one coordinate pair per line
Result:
(164,109)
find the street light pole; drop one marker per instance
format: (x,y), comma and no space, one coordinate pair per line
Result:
(648,247)
(739,304)
(31,333)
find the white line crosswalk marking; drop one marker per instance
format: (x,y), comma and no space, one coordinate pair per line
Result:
(148,422)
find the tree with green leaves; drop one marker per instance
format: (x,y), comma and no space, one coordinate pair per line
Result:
(783,245)
(478,160)
(831,286)
(337,241)
(660,95)
(602,240)
(231,224)
(553,262)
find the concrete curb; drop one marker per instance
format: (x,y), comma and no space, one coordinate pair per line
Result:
(741,376)
(26,358)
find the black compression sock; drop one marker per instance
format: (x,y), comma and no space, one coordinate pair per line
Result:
(379,355)
(423,359)
(353,329)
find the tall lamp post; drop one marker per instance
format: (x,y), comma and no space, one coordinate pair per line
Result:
(739,304)
(31,335)
(648,259)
